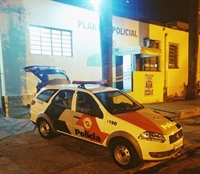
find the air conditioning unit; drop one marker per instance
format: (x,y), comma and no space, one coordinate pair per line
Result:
(146,42)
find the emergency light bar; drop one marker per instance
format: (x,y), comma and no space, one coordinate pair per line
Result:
(80,82)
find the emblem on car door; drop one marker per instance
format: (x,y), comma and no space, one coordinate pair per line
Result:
(87,123)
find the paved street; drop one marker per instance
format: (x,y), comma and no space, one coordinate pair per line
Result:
(28,153)
(23,151)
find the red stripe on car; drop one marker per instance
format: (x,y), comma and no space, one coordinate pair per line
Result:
(140,121)
(94,127)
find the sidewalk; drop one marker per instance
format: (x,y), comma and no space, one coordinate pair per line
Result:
(11,126)
(187,113)
(179,109)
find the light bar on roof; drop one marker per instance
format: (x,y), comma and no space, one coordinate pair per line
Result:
(83,82)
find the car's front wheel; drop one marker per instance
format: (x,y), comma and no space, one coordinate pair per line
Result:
(124,153)
(45,129)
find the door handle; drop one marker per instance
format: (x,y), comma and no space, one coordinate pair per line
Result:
(77,117)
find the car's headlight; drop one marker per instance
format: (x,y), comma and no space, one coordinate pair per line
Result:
(152,136)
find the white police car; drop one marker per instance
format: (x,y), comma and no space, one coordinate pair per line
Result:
(109,117)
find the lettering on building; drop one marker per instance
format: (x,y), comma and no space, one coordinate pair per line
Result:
(124,31)
(116,30)
(88,25)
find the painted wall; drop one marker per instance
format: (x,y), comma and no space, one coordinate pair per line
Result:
(13,39)
(125,32)
(18,15)
(85,39)
(175,78)
(86,42)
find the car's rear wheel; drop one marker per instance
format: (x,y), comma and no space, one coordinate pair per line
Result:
(45,129)
(124,153)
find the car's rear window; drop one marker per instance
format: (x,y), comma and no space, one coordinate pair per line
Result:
(56,76)
(46,95)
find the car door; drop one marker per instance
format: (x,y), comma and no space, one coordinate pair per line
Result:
(60,111)
(88,119)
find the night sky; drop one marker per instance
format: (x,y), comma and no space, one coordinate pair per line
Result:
(163,11)
(169,10)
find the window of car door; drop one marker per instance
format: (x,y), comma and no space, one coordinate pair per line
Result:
(87,105)
(60,103)
(64,99)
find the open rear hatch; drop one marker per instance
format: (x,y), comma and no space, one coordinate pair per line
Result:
(48,75)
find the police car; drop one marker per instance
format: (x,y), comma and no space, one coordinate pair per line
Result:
(109,117)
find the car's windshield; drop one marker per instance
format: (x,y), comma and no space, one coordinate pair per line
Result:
(117,102)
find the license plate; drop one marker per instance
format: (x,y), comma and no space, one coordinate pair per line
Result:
(178,144)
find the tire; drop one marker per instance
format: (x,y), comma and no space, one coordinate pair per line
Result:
(124,153)
(45,129)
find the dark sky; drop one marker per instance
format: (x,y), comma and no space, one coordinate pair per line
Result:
(163,11)
(169,10)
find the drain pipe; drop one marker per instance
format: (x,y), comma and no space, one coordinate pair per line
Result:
(2,79)
(165,67)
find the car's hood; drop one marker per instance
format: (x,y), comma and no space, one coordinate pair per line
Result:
(51,74)
(149,120)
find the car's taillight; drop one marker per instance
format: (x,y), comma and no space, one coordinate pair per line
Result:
(33,102)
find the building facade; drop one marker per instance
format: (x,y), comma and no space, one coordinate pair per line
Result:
(150,61)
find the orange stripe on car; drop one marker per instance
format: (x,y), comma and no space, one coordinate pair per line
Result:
(140,121)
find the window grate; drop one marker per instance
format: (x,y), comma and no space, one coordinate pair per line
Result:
(49,41)
(147,64)
(173,56)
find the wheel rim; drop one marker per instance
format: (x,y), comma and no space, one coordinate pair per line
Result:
(44,128)
(122,154)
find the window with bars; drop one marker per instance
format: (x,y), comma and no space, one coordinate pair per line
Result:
(173,56)
(50,41)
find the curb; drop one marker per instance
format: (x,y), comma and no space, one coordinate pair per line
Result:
(182,114)
(192,112)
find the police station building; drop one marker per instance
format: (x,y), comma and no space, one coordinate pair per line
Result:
(149,61)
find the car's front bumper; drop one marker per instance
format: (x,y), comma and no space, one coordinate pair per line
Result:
(160,151)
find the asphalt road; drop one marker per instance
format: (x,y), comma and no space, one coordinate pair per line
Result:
(29,153)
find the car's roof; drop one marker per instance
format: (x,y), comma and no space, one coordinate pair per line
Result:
(92,88)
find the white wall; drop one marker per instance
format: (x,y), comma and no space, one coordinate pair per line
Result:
(86,61)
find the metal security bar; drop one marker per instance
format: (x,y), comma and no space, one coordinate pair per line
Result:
(50,41)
